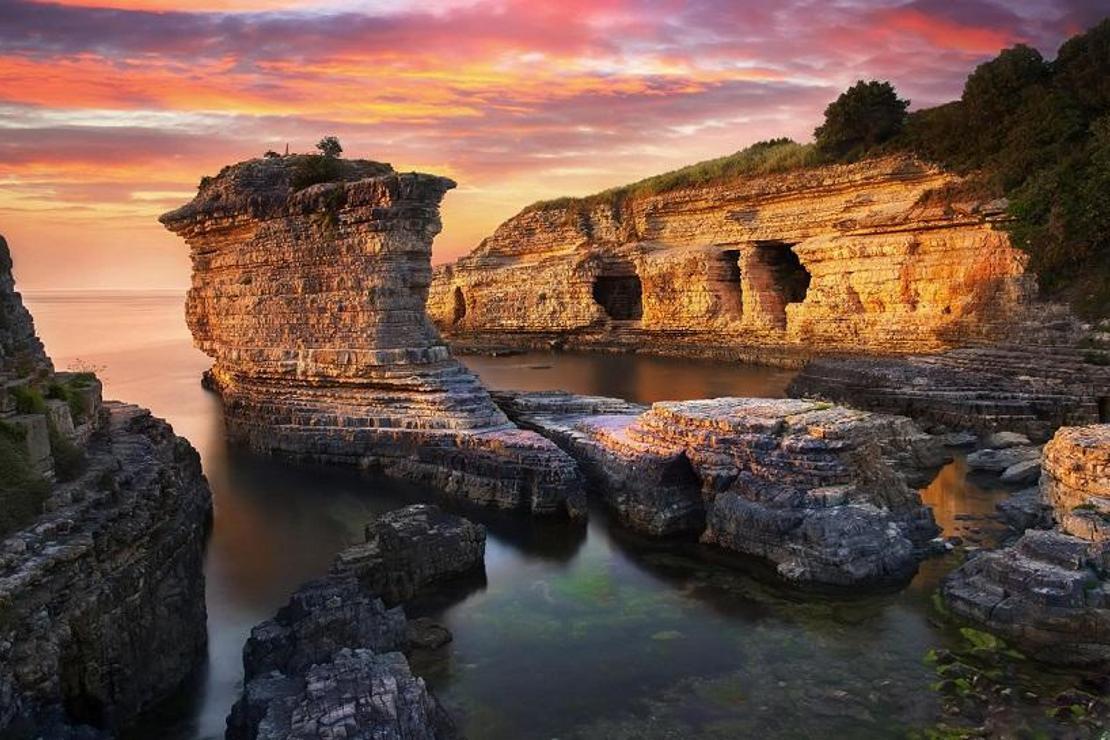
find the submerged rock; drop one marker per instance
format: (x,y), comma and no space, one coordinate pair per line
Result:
(311,301)
(1050,592)
(411,548)
(329,664)
(807,485)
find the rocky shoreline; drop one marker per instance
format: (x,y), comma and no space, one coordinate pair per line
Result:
(106,515)
(331,663)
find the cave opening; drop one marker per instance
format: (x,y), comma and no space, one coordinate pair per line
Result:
(1104,410)
(730,278)
(790,275)
(458,311)
(621,296)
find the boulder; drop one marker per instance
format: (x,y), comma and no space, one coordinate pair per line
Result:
(1027,471)
(807,485)
(1001,460)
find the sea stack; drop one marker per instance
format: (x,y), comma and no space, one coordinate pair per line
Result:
(310,277)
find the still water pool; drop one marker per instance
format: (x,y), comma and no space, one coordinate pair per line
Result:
(584,631)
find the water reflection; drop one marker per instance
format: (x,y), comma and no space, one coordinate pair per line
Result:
(577,631)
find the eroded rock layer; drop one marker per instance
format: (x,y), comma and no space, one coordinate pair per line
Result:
(104,514)
(1050,592)
(883,255)
(330,663)
(808,486)
(311,303)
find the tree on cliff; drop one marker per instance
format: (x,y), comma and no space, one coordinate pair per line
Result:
(864,116)
(329,146)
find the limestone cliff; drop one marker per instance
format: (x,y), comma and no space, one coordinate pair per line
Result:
(881,255)
(311,302)
(104,514)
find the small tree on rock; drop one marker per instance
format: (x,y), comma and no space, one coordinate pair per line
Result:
(865,115)
(329,146)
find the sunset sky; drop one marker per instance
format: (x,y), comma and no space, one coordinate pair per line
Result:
(112,110)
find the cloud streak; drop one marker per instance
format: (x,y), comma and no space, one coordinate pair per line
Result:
(110,108)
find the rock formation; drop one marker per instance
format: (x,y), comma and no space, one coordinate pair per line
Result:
(330,663)
(105,513)
(883,255)
(1050,592)
(311,301)
(809,486)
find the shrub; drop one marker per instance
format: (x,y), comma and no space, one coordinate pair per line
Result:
(22,490)
(69,459)
(311,169)
(28,400)
(68,392)
(329,146)
(865,115)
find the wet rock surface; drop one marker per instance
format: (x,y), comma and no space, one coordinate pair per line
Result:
(1050,591)
(330,663)
(805,485)
(412,548)
(311,302)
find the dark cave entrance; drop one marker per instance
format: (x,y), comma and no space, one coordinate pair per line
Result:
(1104,410)
(458,310)
(790,275)
(621,296)
(732,289)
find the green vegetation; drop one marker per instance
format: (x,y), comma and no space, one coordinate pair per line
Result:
(866,115)
(70,392)
(28,400)
(69,459)
(329,146)
(22,490)
(761,158)
(1038,132)
(312,169)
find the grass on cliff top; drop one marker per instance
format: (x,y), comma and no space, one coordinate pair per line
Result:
(22,490)
(761,158)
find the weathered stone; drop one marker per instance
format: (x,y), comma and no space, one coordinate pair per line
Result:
(328,664)
(1000,460)
(21,352)
(1026,509)
(1048,594)
(1002,440)
(411,548)
(311,303)
(36,441)
(803,484)
(869,256)
(1027,471)
(103,597)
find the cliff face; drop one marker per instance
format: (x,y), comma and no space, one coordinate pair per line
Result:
(311,302)
(844,257)
(104,515)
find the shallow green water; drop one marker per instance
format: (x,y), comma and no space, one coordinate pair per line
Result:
(578,631)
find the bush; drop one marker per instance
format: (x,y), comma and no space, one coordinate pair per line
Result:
(68,392)
(28,400)
(22,490)
(69,459)
(329,147)
(865,115)
(312,169)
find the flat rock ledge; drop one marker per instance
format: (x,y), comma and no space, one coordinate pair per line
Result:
(810,486)
(102,610)
(1049,593)
(330,664)
(310,298)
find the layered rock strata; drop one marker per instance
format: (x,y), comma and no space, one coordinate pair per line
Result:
(884,255)
(330,663)
(311,302)
(1048,380)
(805,485)
(1050,592)
(105,514)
